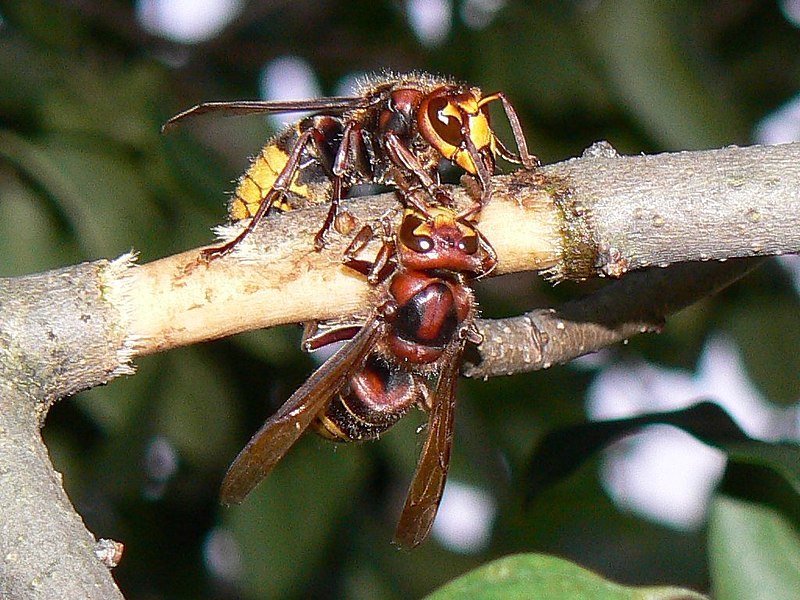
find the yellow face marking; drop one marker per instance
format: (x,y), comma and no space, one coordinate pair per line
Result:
(451,110)
(442,217)
(480,131)
(446,218)
(419,233)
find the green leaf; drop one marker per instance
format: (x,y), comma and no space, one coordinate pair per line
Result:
(563,450)
(754,552)
(540,576)
(98,193)
(114,408)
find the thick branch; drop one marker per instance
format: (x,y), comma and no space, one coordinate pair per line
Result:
(596,215)
(638,303)
(277,277)
(58,334)
(45,550)
(658,210)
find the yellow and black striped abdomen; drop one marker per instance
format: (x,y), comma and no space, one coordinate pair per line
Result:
(310,184)
(375,398)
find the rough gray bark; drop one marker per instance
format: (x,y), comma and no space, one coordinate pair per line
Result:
(58,335)
(658,210)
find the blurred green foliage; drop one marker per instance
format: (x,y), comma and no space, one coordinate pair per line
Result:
(84,174)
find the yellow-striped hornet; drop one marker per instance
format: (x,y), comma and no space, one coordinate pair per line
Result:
(395,131)
(406,353)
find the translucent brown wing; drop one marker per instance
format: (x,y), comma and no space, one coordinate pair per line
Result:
(335,104)
(281,431)
(427,486)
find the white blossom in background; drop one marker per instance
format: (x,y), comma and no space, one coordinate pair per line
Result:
(431,20)
(222,555)
(781,126)
(791,10)
(465,518)
(478,14)
(288,78)
(187,21)
(160,465)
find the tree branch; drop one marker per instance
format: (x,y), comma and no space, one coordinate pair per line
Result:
(592,216)
(668,208)
(58,335)
(597,215)
(638,303)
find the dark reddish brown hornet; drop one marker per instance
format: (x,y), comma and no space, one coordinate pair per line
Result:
(395,132)
(406,354)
